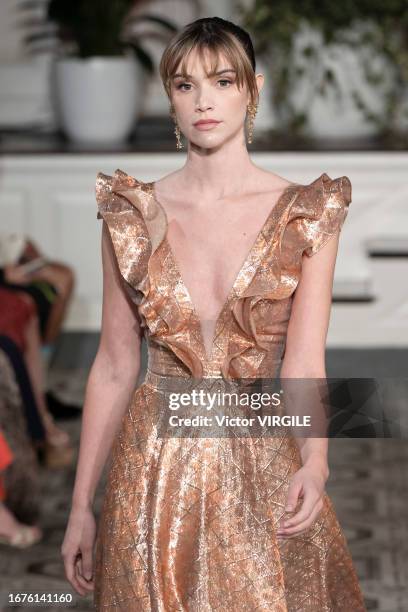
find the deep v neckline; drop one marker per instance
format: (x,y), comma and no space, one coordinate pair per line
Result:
(234,288)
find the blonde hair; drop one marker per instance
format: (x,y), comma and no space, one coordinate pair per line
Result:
(218,37)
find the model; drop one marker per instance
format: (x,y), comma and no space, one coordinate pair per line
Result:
(226,270)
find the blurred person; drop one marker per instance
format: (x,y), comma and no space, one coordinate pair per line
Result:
(13,532)
(15,360)
(50,284)
(19,321)
(22,478)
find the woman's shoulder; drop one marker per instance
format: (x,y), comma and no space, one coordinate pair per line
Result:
(323,184)
(118,181)
(119,192)
(318,211)
(326,186)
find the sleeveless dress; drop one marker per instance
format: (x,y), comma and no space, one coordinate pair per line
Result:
(190,524)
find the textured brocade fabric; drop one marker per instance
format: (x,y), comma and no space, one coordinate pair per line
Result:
(190,524)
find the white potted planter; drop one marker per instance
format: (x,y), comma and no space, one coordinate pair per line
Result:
(99,98)
(101,70)
(334,113)
(332,71)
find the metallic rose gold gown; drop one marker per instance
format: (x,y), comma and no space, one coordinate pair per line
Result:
(190,524)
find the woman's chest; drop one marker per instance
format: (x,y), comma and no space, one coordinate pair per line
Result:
(211,249)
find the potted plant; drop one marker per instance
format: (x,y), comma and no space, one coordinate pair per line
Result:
(101,69)
(330,75)
(393,44)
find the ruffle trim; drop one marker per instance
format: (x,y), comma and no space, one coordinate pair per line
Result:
(137,225)
(314,214)
(128,231)
(311,215)
(320,220)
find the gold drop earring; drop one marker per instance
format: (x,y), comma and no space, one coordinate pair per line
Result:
(252,110)
(177,132)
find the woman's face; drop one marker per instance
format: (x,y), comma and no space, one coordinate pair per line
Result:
(216,97)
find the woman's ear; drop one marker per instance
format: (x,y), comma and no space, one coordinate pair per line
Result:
(260,79)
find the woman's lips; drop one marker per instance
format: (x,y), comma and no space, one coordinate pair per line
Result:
(208,125)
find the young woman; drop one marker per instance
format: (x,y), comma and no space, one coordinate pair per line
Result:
(204,264)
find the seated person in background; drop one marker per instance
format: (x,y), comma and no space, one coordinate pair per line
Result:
(49,283)
(19,321)
(12,532)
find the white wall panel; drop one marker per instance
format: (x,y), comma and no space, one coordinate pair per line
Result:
(51,197)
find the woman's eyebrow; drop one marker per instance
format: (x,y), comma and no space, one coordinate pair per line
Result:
(222,71)
(190,76)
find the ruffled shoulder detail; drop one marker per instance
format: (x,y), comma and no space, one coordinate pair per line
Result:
(310,216)
(137,224)
(125,219)
(319,212)
(122,192)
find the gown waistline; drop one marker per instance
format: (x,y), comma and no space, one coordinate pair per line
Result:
(171,383)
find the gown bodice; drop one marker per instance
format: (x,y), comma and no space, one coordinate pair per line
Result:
(250,332)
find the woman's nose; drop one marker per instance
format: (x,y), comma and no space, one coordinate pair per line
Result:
(203,101)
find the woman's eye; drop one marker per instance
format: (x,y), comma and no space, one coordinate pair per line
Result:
(180,85)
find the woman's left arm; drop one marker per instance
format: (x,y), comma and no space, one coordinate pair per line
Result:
(304,358)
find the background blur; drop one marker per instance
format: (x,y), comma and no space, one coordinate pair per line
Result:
(80,93)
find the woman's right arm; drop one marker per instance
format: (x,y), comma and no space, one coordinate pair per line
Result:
(111,383)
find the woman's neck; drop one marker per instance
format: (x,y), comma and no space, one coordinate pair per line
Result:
(217,172)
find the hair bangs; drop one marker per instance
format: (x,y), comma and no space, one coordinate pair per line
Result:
(212,49)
